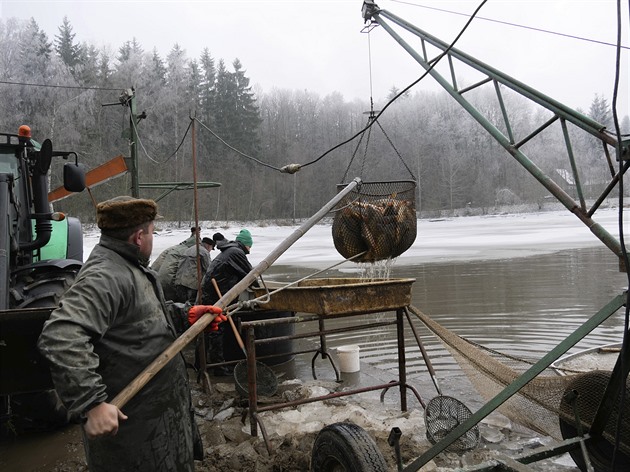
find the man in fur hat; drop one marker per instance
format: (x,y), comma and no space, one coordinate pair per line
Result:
(110,325)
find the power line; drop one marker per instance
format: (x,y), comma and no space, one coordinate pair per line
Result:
(403,91)
(226,144)
(513,24)
(6,82)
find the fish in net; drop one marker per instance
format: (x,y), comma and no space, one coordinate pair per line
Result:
(376,221)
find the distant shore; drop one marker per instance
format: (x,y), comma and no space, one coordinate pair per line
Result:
(438,240)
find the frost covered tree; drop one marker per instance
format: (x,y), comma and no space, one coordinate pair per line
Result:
(600,111)
(65,46)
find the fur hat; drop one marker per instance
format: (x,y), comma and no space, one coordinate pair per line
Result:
(245,237)
(125,212)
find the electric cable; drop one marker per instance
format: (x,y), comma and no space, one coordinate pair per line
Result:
(514,24)
(620,159)
(371,117)
(133,123)
(7,82)
(403,91)
(247,156)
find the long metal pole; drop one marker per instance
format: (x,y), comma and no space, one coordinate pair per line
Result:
(133,144)
(152,369)
(5,188)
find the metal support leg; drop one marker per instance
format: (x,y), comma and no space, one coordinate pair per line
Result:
(251,381)
(402,368)
(323,351)
(332,363)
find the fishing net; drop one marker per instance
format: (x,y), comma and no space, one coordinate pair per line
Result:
(266,380)
(541,405)
(442,415)
(377,219)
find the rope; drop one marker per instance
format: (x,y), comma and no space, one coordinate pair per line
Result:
(245,304)
(356,149)
(397,153)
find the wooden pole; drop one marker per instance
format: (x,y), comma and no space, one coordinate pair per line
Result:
(237,335)
(152,369)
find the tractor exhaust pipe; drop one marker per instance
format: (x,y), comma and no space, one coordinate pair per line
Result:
(42,213)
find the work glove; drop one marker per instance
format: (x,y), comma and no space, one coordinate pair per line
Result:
(197,311)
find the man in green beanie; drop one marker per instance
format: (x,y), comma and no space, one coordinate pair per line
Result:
(245,237)
(228,269)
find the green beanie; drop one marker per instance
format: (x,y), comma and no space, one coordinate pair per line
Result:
(245,238)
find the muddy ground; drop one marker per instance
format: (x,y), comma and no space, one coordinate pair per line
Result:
(291,432)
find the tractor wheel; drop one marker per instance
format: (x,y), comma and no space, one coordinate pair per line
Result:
(42,287)
(34,412)
(346,447)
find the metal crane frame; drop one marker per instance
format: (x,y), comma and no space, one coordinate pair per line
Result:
(374,16)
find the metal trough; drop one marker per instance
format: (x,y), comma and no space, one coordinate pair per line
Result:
(339,296)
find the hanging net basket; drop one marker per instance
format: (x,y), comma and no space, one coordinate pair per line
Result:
(377,219)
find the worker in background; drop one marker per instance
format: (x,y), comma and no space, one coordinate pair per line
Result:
(167,263)
(110,325)
(219,239)
(190,241)
(186,278)
(228,268)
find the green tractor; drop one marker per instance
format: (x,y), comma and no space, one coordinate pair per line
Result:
(41,252)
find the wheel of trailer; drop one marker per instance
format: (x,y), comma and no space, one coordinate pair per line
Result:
(590,389)
(346,447)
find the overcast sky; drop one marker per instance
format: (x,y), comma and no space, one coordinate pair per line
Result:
(318,45)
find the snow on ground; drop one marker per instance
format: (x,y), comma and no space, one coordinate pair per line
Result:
(438,240)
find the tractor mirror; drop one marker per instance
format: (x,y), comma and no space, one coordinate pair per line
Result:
(74,177)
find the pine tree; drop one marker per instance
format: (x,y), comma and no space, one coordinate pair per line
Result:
(225,104)
(87,69)
(207,92)
(131,60)
(193,84)
(600,111)
(156,69)
(247,111)
(128,49)
(65,47)
(35,51)
(104,70)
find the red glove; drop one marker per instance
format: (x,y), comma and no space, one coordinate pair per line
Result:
(197,311)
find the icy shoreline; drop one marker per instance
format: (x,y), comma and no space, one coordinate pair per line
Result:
(438,240)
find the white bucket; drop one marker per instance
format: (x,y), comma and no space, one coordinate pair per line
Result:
(348,358)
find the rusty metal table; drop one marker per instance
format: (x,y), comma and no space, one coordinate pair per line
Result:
(252,342)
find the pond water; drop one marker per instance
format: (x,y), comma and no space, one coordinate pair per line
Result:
(522,306)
